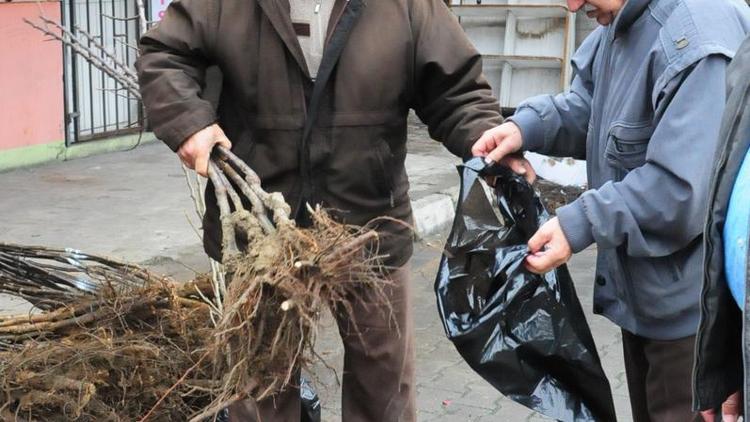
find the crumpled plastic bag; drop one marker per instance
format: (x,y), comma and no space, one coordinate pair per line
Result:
(310,401)
(524,333)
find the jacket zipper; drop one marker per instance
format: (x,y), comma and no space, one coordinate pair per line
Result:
(385,152)
(336,20)
(607,65)
(327,64)
(709,251)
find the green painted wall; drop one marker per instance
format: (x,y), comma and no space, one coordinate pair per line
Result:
(57,151)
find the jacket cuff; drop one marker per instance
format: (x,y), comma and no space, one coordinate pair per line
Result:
(532,129)
(177,130)
(575,225)
(464,148)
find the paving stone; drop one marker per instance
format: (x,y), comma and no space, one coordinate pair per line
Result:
(429,368)
(511,411)
(460,412)
(480,397)
(435,400)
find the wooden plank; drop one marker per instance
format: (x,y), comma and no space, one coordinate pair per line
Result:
(501,11)
(570,46)
(524,62)
(509,49)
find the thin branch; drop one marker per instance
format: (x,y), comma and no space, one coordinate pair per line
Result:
(229,243)
(128,18)
(218,281)
(142,16)
(69,39)
(236,201)
(108,54)
(128,45)
(258,208)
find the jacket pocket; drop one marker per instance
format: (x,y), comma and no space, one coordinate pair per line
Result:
(385,159)
(655,287)
(627,144)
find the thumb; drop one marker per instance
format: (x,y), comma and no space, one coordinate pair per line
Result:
(502,149)
(708,415)
(530,172)
(516,164)
(538,240)
(521,166)
(730,410)
(221,138)
(484,144)
(224,141)
(201,163)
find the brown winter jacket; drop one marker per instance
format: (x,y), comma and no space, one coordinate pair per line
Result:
(340,140)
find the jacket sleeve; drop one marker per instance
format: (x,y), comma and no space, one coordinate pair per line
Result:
(171,71)
(451,96)
(659,207)
(557,125)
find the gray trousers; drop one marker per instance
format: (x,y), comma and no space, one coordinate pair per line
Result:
(378,382)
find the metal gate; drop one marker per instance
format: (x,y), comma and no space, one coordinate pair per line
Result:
(95,105)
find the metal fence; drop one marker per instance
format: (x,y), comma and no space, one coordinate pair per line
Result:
(95,104)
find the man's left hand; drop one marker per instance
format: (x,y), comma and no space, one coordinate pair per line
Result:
(731,409)
(549,248)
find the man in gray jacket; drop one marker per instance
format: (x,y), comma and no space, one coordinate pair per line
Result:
(644,110)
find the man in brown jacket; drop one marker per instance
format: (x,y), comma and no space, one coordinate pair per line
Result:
(327,129)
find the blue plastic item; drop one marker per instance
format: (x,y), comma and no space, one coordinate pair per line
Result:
(737,232)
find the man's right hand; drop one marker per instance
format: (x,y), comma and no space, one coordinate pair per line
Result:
(195,151)
(498,142)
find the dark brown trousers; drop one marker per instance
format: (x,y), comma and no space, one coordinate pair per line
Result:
(660,378)
(378,381)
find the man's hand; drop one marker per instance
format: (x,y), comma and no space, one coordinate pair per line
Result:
(731,409)
(498,142)
(195,151)
(549,248)
(502,144)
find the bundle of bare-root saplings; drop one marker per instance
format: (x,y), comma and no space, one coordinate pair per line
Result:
(108,341)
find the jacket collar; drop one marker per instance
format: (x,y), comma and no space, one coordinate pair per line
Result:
(278,12)
(336,13)
(630,12)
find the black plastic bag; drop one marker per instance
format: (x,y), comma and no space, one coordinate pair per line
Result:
(524,333)
(309,400)
(309,403)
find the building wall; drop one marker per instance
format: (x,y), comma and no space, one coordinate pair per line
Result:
(32,122)
(584,26)
(31,79)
